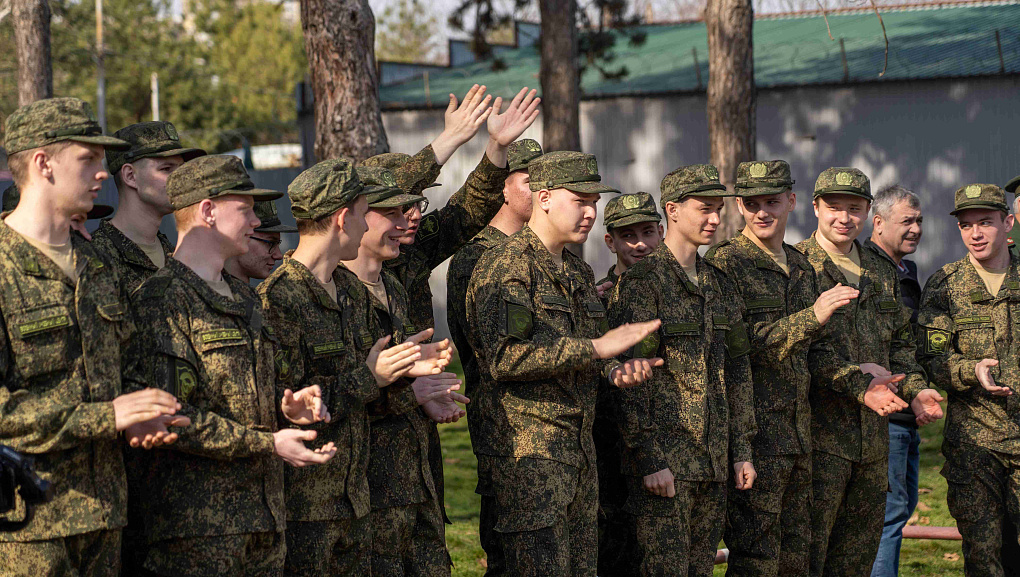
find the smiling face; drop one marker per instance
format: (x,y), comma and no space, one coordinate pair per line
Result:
(841,217)
(234,219)
(353,226)
(765,216)
(696,217)
(263,254)
(385,228)
(570,214)
(984,232)
(634,242)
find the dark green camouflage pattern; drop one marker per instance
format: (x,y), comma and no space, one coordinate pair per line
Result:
(324,189)
(210,177)
(60,350)
(628,209)
(156,139)
(521,152)
(52,120)
(132,264)
(763,177)
(960,324)
(381,188)
(242,555)
(574,171)
(979,196)
(843,180)
(96,554)
(216,355)
(317,548)
(694,179)
(409,540)
(414,173)
(699,429)
(269,218)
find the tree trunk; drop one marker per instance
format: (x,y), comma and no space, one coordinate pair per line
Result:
(561,91)
(32,39)
(340,46)
(731,95)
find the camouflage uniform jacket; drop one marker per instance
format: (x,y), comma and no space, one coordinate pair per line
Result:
(60,346)
(784,334)
(398,469)
(530,325)
(696,415)
(317,348)
(960,324)
(873,328)
(612,277)
(457,278)
(443,232)
(222,476)
(132,264)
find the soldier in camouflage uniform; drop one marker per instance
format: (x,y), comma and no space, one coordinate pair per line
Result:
(511,218)
(263,246)
(215,506)
(632,233)
(11,197)
(850,433)
(328,529)
(969,345)
(685,430)
(534,323)
(62,328)
(407,524)
(430,240)
(1011,239)
(769,526)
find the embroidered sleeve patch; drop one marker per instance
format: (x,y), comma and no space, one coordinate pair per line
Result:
(648,347)
(429,227)
(50,323)
(519,321)
(936,341)
(185,379)
(737,343)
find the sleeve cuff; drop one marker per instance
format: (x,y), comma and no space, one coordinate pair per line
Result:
(262,443)
(366,389)
(96,421)
(858,386)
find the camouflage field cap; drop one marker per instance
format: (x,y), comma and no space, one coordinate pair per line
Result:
(324,189)
(269,218)
(694,179)
(574,171)
(156,139)
(1013,184)
(53,120)
(211,177)
(628,209)
(400,165)
(763,177)
(843,180)
(382,190)
(521,153)
(12,196)
(979,196)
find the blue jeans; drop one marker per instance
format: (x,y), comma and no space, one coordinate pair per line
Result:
(904,463)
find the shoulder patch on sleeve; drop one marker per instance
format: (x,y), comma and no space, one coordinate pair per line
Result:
(519,321)
(936,341)
(185,379)
(429,226)
(737,343)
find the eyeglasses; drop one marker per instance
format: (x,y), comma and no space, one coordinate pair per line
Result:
(422,205)
(272,244)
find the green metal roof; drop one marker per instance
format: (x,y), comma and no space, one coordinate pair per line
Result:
(924,42)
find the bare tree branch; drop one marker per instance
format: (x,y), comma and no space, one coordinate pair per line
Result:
(826,17)
(885,64)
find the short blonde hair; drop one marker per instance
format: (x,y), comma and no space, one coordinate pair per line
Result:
(17,163)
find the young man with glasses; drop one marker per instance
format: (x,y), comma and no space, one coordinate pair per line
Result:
(263,246)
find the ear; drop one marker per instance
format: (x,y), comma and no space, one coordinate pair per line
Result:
(206,212)
(544,198)
(662,234)
(609,243)
(793,200)
(876,223)
(814,204)
(41,163)
(128,176)
(1010,219)
(672,211)
(340,218)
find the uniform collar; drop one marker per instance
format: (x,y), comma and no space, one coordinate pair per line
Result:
(241,306)
(129,249)
(298,269)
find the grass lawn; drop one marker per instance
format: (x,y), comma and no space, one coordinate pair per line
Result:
(918,557)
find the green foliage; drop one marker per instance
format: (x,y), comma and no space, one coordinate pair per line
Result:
(405,32)
(226,69)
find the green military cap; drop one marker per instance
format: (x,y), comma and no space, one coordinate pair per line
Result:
(156,139)
(269,218)
(628,209)
(521,153)
(324,188)
(12,196)
(979,196)
(397,163)
(694,179)
(574,171)
(45,122)
(1012,185)
(843,180)
(211,177)
(382,190)
(763,177)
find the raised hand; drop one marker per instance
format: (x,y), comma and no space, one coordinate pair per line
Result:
(622,338)
(305,406)
(461,122)
(660,483)
(634,372)
(832,299)
(395,362)
(141,406)
(926,406)
(290,446)
(154,432)
(983,372)
(510,125)
(881,398)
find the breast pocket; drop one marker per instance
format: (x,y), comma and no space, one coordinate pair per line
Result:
(43,339)
(683,342)
(975,336)
(555,316)
(598,322)
(227,359)
(763,311)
